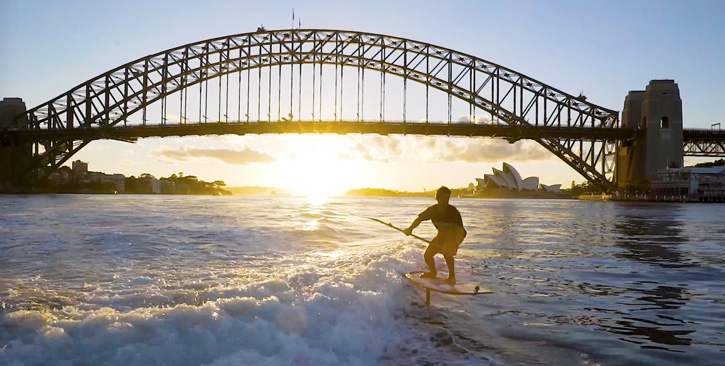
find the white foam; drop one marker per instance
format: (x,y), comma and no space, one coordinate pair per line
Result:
(326,310)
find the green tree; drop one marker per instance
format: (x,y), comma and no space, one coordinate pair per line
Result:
(719,162)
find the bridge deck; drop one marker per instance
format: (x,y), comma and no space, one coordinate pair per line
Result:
(704,134)
(514,132)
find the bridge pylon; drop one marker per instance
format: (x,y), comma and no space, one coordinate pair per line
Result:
(657,113)
(15,154)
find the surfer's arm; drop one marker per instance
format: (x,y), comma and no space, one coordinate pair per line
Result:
(412,226)
(425,215)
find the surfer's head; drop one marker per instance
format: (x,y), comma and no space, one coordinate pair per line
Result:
(443,195)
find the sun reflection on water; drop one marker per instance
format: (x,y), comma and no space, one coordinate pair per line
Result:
(317,199)
(311,225)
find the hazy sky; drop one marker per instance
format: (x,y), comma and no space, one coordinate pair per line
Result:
(603,49)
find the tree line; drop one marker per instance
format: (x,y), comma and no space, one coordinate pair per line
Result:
(175,184)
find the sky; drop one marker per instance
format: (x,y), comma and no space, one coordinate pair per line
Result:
(600,48)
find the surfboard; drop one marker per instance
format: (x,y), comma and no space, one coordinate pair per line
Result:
(439,284)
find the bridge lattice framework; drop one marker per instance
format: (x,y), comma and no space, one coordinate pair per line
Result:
(580,133)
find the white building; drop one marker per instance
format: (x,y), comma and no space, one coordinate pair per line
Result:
(554,188)
(509,178)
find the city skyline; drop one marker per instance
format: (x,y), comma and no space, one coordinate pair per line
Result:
(663,46)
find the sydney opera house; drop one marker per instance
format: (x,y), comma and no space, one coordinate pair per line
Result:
(510,178)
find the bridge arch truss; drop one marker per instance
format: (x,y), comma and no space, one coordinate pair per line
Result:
(509,97)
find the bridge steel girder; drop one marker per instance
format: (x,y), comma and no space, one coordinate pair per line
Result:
(512,98)
(705,148)
(701,142)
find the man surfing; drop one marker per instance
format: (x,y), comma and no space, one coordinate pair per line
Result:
(451,233)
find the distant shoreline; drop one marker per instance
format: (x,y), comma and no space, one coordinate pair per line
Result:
(259,191)
(458,193)
(361,192)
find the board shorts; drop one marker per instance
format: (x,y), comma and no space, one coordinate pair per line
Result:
(447,241)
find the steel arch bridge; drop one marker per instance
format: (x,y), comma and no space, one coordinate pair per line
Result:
(582,134)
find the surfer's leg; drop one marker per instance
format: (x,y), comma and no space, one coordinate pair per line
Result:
(451,268)
(428,256)
(450,242)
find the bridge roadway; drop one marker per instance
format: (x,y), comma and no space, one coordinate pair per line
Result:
(692,134)
(697,142)
(510,132)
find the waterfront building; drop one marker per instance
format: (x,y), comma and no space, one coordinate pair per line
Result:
(118,180)
(64,175)
(166,186)
(695,183)
(183,188)
(80,168)
(149,184)
(81,175)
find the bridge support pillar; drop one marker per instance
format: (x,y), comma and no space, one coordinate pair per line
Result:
(15,156)
(657,112)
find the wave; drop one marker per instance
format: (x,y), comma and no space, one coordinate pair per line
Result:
(327,310)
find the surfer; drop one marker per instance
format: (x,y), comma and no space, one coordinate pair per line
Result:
(451,233)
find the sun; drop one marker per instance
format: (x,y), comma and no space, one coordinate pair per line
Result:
(316,170)
(316,200)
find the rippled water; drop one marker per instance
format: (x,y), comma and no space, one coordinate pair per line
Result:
(170,280)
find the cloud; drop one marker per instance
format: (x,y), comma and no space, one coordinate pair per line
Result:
(230,156)
(387,149)
(466,118)
(384,149)
(374,148)
(489,150)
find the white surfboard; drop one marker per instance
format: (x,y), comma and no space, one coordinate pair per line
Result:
(439,284)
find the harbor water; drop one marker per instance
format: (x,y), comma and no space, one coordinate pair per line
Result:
(192,280)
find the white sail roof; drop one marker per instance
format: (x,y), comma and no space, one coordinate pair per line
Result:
(510,178)
(510,181)
(530,184)
(495,180)
(515,176)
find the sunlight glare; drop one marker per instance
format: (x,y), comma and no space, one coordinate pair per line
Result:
(315,169)
(316,199)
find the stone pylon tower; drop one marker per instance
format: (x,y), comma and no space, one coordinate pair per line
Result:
(657,114)
(15,156)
